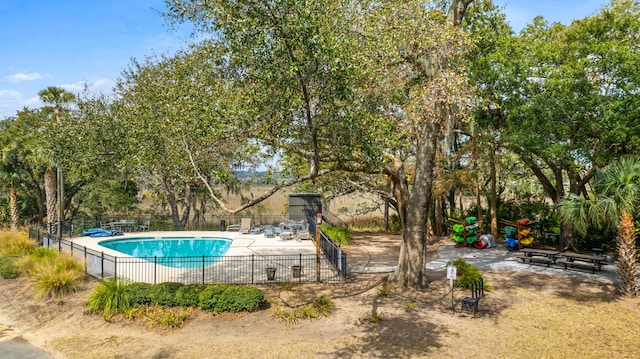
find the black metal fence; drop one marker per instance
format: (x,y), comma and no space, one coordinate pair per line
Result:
(250,269)
(333,253)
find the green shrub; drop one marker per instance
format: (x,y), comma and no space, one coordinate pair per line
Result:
(8,268)
(210,295)
(140,294)
(110,297)
(189,295)
(164,294)
(239,298)
(466,273)
(339,235)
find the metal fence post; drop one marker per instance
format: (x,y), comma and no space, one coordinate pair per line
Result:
(203,269)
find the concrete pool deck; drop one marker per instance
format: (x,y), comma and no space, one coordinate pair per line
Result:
(242,244)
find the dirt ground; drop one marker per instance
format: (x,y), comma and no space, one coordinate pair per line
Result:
(365,323)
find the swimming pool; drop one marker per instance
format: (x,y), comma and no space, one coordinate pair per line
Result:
(171,251)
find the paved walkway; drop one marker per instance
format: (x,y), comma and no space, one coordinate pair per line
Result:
(498,258)
(13,345)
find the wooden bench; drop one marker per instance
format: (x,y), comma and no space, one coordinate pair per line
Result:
(540,256)
(585,261)
(536,259)
(579,264)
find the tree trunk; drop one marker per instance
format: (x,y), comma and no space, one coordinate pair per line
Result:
(14,209)
(493,205)
(50,194)
(627,255)
(414,210)
(439,208)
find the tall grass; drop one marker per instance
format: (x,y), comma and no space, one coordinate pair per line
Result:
(110,297)
(8,268)
(15,243)
(56,276)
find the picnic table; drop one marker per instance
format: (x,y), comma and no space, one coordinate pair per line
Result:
(540,256)
(125,225)
(585,261)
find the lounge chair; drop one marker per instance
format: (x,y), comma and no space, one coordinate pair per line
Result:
(245,226)
(277,230)
(302,233)
(268,232)
(287,234)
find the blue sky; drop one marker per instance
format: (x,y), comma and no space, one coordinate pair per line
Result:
(69,43)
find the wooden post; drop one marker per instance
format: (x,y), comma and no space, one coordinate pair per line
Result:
(318,223)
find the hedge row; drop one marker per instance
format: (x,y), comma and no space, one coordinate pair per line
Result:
(112,296)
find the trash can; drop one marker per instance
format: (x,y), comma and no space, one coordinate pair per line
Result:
(223,225)
(597,251)
(296,271)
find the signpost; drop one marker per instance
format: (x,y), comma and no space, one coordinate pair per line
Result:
(451,275)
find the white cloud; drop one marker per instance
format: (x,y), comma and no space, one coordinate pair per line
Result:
(23,76)
(10,94)
(33,101)
(9,101)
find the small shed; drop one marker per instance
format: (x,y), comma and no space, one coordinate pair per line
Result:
(304,205)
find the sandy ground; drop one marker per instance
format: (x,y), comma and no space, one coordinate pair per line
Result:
(365,324)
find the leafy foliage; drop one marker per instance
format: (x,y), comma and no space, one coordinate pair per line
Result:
(140,293)
(208,298)
(239,298)
(339,235)
(164,294)
(466,273)
(8,268)
(189,295)
(230,298)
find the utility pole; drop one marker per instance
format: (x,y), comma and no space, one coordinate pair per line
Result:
(60,201)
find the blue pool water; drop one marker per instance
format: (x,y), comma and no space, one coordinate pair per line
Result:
(170,251)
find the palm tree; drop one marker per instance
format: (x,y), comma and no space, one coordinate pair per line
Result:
(617,197)
(57,97)
(10,177)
